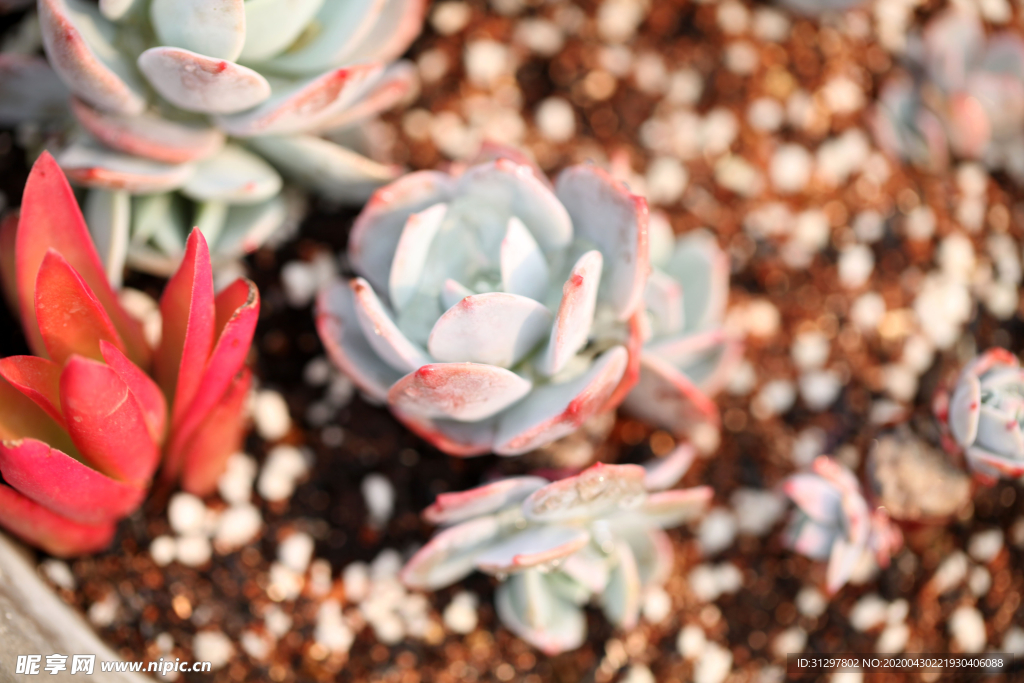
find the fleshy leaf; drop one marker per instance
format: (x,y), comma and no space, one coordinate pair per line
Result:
(597,490)
(273,25)
(999,432)
(381,332)
(108,215)
(451,508)
(106,422)
(461,439)
(494,328)
(965,410)
(981,459)
(665,472)
(702,269)
(667,509)
(664,300)
(233,175)
(534,612)
(22,418)
(36,378)
(411,256)
(538,545)
(621,598)
(144,389)
(450,555)
(213,442)
(398,23)
(67,487)
(524,270)
(555,410)
(57,535)
(841,563)
(818,499)
(342,25)
(202,84)
(96,166)
(575,316)
(458,391)
(215,28)
(666,398)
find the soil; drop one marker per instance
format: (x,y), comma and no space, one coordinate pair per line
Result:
(230,594)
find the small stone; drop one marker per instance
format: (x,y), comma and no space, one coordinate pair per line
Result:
(285,583)
(717,531)
(972,179)
(956,256)
(770,25)
(762,318)
(766,114)
(255,645)
(757,510)
(718,131)
(448,18)
(59,573)
(743,380)
(713,665)
(741,58)
(657,604)
(386,565)
(808,445)
(1013,641)
(897,612)
(460,616)
(811,231)
(379,494)
(284,466)
(213,647)
(486,62)
(235,484)
(542,37)
(867,311)
(984,546)
(237,527)
(270,415)
(868,612)
(736,174)
(856,263)
(321,579)
(869,226)
(810,602)
(389,629)
(790,168)
(951,573)
(691,641)
(819,389)
(733,17)
(650,73)
(556,119)
(331,630)
(893,639)
(618,20)
(278,623)
(685,87)
(103,612)
(967,627)
(163,550)
(299,281)
(918,353)
(186,513)
(666,180)
(194,550)
(317,372)
(638,673)
(296,551)
(920,223)
(843,96)
(810,350)
(775,398)
(979,580)
(790,642)
(356,580)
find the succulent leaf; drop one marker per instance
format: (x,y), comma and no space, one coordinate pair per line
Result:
(57,535)
(272,25)
(534,611)
(494,328)
(233,175)
(197,83)
(451,508)
(532,547)
(38,379)
(218,436)
(215,28)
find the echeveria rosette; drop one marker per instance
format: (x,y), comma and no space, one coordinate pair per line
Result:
(557,545)
(209,100)
(967,99)
(985,414)
(83,425)
(687,357)
(834,522)
(492,312)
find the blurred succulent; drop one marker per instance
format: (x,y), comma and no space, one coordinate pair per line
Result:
(186,101)
(815,7)
(967,98)
(491,311)
(833,522)
(687,357)
(82,424)
(555,546)
(985,413)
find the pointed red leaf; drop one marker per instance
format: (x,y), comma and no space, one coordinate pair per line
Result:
(22,418)
(145,390)
(206,455)
(8,264)
(57,535)
(71,319)
(38,379)
(50,218)
(237,309)
(187,308)
(62,484)
(106,422)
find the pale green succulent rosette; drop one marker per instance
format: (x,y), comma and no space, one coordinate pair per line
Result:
(556,546)
(196,112)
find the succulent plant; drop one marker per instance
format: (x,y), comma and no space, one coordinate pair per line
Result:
(83,426)
(194,107)
(556,545)
(686,357)
(490,311)
(834,522)
(815,7)
(985,412)
(967,98)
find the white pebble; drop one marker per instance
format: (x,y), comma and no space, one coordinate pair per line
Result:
(810,602)
(956,256)
(102,613)
(843,96)
(59,573)
(666,180)
(736,174)
(237,527)
(618,20)
(296,551)
(278,622)
(950,573)
(657,604)
(984,546)
(967,627)
(790,168)
(868,612)
(867,311)
(717,531)
(386,565)
(810,350)
(714,664)
(389,629)
(285,465)
(743,380)
(638,673)
(163,550)
(540,36)
(331,630)
(449,18)
(869,226)
(791,641)
(255,645)
(765,114)
(321,578)
(186,513)
(556,119)
(235,484)
(770,25)
(856,263)
(379,494)
(194,550)
(757,510)
(356,580)
(920,223)
(299,281)
(213,647)
(819,388)
(808,445)
(897,612)
(486,62)
(893,638)
(684,87)
(691,641)
(741,58)
(733,17)
(317,372)
(285,583)
(979,580)
(1013,641)
(811,230)
(270,414)
(775,398)
(460,615)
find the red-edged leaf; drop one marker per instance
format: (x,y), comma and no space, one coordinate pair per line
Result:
(22,418)
(62,484)
(237,309)
(38,379)
(634,346)
(106,422)
(8,264)
(145,390)
(50,218)
(57,535)
(71,319)
(187,308)
(217,438)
